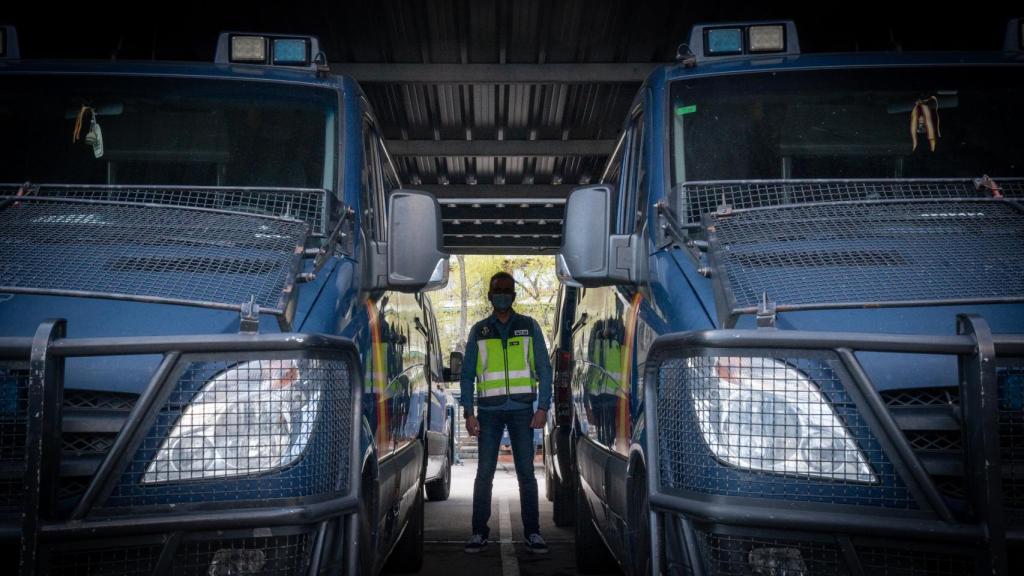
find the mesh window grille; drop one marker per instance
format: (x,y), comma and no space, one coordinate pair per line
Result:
(904,561)
(698,198)
(735,555)
(727,555)
(855,254)
(248,431)
(268,556)
(127,560)
(14,379)
(1011,436)
(771,438)
(165,253)
(298,203)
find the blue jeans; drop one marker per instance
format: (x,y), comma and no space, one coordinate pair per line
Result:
(492,424)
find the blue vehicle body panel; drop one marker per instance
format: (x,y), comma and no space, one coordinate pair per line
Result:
(394,364)
(676,296)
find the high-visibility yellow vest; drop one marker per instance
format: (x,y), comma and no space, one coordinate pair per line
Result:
(505,368)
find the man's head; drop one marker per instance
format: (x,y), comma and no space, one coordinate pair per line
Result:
(502,291)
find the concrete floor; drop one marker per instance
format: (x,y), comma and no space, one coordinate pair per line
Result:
(448,526)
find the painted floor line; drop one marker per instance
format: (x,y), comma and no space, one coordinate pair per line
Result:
(509,563)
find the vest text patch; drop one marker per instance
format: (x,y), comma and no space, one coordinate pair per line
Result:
(513,343)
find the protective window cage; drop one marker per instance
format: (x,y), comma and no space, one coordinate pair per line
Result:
(705,197)
(150,253)
(769,424)
(307,204)
(889,253)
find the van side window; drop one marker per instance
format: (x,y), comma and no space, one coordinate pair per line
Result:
(633,181)
(636,189)
(387,169)
(613,172)
(372,216)
(369,174)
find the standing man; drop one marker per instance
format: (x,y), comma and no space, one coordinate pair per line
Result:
(506,357)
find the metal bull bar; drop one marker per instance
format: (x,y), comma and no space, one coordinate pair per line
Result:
(47,352)
(977,350)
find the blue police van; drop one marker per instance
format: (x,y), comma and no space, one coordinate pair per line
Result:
(215,357)
(797,332)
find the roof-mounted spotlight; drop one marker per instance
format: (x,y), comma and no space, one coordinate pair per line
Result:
(270,50)
(716,41)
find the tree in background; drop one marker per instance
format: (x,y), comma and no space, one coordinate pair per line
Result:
(464,301)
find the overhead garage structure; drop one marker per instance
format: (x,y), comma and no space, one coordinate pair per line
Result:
(498,108)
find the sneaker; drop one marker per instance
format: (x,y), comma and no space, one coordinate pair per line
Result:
(477,543)
(536,544)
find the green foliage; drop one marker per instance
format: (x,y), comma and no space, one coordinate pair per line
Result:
(536,289)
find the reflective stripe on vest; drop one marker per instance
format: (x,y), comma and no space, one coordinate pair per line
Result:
(494,378)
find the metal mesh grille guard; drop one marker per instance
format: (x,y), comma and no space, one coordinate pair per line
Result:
(697,198)
(306,204)
(149,253)
(870,253)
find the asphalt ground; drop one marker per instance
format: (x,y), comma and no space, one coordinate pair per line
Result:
(448,526)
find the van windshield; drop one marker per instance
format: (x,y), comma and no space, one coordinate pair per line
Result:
(134,130)
(906,123)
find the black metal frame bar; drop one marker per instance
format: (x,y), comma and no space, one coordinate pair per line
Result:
(974,345)
(725,299)
(48,350)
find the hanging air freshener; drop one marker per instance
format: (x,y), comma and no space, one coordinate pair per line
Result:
(95,138)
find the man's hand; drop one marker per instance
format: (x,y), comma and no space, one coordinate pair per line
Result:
(540,417)
(472,426)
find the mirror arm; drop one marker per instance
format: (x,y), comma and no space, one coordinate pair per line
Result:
(668,224)
(584,318)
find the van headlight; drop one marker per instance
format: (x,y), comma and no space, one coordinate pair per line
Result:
(250,419)
(761,414)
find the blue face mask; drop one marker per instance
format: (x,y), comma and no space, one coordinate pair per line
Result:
(502,302)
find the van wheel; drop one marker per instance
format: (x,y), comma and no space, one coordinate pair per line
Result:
(408,553)
(439,488)
(641,563)
(563,503)
(592,556)
(367,526)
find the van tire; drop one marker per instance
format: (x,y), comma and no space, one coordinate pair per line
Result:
(407,556)
(368,502)
(440,488)
(592,555)
(563,503)
(641,563)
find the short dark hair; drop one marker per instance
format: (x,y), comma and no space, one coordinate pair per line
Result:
(500,276)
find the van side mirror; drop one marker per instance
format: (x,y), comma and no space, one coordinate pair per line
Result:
(590,254)
(455,366)
(413,259)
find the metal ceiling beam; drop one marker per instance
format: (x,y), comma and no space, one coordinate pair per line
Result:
(511,213)
(611,72)
(501,147)
(510,192)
